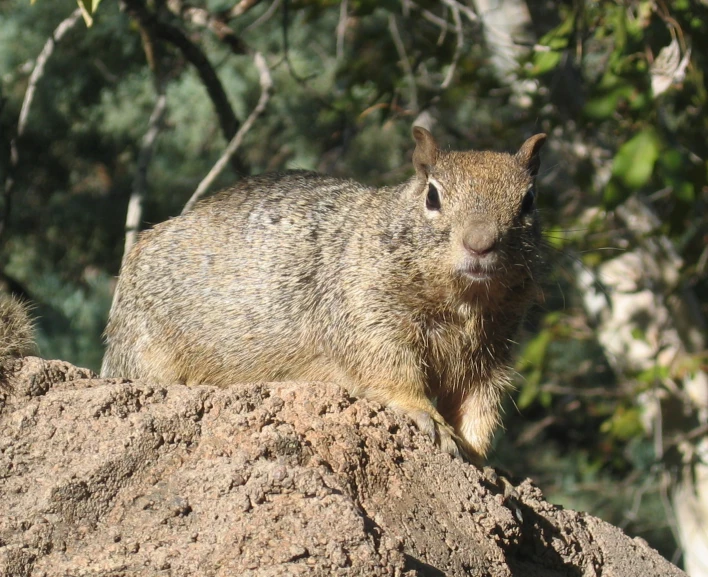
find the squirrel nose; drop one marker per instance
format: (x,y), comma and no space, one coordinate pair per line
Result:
(480,239)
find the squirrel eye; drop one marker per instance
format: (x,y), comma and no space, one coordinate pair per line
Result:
(529,201)
(432,200)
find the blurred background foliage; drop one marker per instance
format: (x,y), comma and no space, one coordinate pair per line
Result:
(618,85)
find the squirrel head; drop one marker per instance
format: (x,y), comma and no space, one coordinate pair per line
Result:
(477,216)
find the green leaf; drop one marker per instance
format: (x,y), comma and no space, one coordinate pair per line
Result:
(529,390)
(634,162)
(654,374)
(605,104)
(614,195)
(88,9)
(624,424)
(562,31)
(557,40)
(535,351)
(556,237)
(672,161)
(618,18)
(545,62)
(638,334)
(685,191)
(640,100)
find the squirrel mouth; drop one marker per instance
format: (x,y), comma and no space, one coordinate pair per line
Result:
(476,273)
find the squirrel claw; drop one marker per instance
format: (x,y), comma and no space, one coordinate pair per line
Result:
(448,444)
(425,423)
(510,495)
(440,432)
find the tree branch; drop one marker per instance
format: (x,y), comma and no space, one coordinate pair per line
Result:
(204,18)
(286,46)
(229,122)
(266,83)
(241,8)
(37,73)
(459,45)
(405,61)
(135,205)
(342,28)
(429,16)
(134,214)
(265,17)
(466,10)
(227,119)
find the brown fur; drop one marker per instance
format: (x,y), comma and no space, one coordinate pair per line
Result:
(16,329)
(303,277)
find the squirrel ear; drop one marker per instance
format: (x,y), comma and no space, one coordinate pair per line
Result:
(528,153)
(426,151)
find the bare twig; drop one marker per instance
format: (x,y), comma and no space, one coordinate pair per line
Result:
(134,214)
(581,391)
(286,46)
(242,7)
(458,48)
(265,17)
(135,205)
(66,25)
(534,430)
(691,435)
(229,122)
(466,10)
(266,83)
(37,73)
(666,485)
(702,263)
(206,19)
(342,28)
(443,30)
(405,62)
(147,146)
(428,15)
(227,119)
(108,76)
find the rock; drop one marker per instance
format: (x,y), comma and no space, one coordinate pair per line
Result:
(110,477)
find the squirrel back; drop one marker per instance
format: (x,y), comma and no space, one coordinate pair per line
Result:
(405,294)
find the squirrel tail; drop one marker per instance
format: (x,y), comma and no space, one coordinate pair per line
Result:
(16,328)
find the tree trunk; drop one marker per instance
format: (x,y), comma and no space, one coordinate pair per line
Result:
(646,321)
(509,36)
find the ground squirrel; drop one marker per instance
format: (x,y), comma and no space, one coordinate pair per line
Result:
(409,295)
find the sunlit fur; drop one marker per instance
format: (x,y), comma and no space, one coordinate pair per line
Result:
(16,329)
(299,276)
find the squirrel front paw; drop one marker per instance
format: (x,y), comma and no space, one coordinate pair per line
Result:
(440,431)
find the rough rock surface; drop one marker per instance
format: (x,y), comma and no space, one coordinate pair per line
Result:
(108,477)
